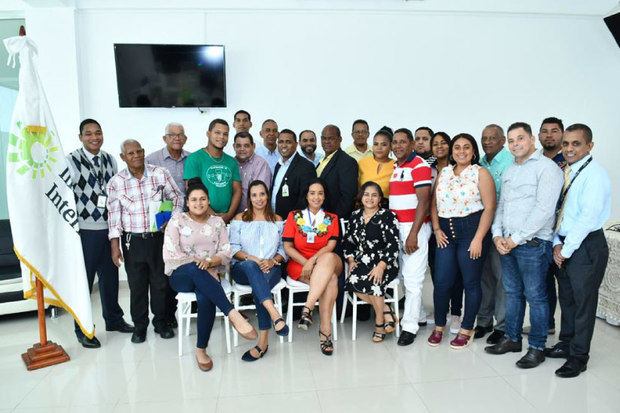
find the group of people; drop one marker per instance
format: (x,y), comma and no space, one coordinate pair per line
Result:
(498,228)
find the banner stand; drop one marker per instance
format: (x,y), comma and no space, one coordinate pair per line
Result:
(46,353)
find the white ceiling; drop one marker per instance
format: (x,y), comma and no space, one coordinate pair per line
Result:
(579,7)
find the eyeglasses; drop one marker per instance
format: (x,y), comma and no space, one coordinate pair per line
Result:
(176,136)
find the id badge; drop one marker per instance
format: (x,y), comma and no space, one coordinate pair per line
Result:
(285,190)
(101,201)
(310,237)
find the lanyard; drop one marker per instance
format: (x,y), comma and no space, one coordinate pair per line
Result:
(565,192)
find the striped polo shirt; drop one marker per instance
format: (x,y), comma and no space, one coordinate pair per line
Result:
(414,173)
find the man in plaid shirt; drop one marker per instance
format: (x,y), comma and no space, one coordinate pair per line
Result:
(129,195)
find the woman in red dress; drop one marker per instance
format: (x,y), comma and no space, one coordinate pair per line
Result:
(310,236)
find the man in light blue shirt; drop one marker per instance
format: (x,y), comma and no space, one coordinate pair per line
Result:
(307,147)
(269,149)
(496,159)
(522,233)
(580,248)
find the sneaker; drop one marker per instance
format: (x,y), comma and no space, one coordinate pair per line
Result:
(461,341)
(435,338)
(455,324)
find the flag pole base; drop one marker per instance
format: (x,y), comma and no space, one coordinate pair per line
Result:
(39,356)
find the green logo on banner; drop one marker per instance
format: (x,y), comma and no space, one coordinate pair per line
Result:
(33,150)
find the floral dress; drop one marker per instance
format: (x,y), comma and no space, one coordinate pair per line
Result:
(368,244)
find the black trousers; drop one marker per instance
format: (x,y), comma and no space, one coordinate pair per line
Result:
(145,272)
(98,260)
(579,280)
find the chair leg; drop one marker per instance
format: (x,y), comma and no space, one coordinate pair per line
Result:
(236,301)
(277,298)
(180,323)
(344,307)
(396,312)
(354,318)
(289,315)
(334,323)
(188,311)
(227,332)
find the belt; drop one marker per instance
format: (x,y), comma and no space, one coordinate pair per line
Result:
(142,235)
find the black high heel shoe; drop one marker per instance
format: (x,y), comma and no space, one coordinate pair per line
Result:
(306,319)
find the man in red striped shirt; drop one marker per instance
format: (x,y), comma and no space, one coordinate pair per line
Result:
(410,199)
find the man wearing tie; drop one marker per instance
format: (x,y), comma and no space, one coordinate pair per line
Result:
(579,248)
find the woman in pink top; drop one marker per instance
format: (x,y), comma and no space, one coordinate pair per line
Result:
(462,212)
(196,251)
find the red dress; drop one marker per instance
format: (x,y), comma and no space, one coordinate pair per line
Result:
(295,231)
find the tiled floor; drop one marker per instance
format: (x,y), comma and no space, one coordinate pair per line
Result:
(361,376)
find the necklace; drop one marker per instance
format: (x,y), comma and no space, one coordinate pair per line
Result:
(214,159)
(368,217)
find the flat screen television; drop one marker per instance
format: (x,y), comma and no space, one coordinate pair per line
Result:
(166,75)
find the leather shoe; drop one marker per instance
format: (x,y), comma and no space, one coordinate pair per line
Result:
(556,352)
(122,327)
(406,338)
(495,337)
(572,368)
(505,345)
(138,337)
(532,359)
(165,331)
(480,331)
(89,342)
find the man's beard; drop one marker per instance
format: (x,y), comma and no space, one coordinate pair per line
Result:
(549,147)
(309,150)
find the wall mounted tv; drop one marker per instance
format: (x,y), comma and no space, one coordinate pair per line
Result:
(165,75)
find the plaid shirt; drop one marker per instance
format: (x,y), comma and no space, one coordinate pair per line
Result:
(128,199)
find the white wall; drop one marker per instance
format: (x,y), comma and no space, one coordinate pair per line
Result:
(309,66)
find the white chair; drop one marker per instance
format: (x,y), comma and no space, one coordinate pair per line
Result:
(240,290)
(185,315)
(299,287)
(356,301)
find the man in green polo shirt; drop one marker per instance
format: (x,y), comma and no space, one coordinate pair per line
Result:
(217,170)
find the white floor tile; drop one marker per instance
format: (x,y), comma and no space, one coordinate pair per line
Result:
(205,405)
(372,399)
(303,402)
(475,395)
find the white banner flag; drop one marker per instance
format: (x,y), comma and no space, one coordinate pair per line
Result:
(40,198)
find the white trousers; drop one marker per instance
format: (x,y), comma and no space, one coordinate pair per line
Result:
(412,273)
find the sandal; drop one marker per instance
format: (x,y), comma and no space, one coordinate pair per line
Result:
(247,356)
(390,326)
(284,330)
(306,319)
(327,347)
(376,336)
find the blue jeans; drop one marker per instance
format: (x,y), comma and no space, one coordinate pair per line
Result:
(454,258)
(249,273)
(524,274)
(189,278)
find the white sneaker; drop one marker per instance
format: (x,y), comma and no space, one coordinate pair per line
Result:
(455,324)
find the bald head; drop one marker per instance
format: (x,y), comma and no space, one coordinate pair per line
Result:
(330,139)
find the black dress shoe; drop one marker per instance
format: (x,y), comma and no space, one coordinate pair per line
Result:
(505,345)
(406,338)
(572,368)
(557,352)
(165,331)
(89,342)
(138,336)
(422,323)
(532,359)
(481,331)
(495,337)
(122,326)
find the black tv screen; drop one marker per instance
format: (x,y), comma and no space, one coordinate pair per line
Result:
(164,75)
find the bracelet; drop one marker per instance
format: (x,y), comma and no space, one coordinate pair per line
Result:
(437,229)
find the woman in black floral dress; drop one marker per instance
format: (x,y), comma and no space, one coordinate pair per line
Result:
(371,249)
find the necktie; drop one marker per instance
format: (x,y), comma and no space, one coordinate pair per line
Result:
(558,221)
(96,161)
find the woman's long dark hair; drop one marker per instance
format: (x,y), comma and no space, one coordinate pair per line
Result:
(248,214)
(475,158)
